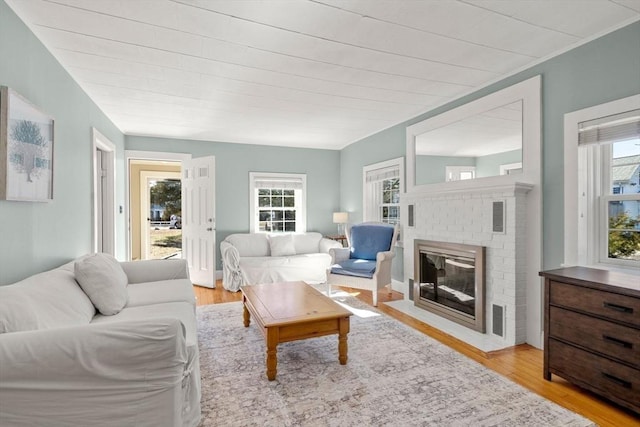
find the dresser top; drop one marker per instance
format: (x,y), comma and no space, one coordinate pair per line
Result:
(612,281)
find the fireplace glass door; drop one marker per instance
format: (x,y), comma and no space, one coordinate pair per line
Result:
(448,280)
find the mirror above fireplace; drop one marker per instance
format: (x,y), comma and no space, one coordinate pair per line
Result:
(489,141)
(487,144)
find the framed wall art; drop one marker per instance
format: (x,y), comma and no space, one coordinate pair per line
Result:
(26,149)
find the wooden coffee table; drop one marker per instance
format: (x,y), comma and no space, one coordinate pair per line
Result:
(293,311)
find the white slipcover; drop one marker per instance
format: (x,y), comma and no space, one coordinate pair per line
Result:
(139,367)
(247,260)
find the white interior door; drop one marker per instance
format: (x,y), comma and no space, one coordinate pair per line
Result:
(198,220)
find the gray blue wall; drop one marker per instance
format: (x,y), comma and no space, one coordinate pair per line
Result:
(490,165)
(603,70)
(235,161)
(432,169)
(38,236)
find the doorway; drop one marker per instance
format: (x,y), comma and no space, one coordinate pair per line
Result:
(103,195)
(160,214)
(197,182)
(155,196)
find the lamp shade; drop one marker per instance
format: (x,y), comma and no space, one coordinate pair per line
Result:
(340,217)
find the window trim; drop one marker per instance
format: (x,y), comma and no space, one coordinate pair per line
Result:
(392,163)
(452,173)
(582,235)
(505,168)
(301,212)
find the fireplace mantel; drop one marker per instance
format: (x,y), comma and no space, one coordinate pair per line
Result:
(475,186)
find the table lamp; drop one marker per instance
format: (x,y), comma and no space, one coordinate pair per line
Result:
(341,218)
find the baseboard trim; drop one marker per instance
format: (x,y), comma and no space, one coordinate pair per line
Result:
(397,286)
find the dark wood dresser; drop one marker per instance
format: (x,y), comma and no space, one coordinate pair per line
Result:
(592,331)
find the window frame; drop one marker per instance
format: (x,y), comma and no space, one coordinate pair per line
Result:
(506,168)
(389,205)
(586,177)
(376,216)
(454,173)
(605,163)
(300,200)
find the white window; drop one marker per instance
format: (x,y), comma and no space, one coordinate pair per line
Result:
(607,186)
(511,168)
(383,183)
(459,173)
(278,202)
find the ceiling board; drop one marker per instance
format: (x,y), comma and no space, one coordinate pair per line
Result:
(573,17)
(321,73)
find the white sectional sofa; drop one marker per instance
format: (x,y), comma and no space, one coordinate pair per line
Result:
(250,259)
(62,363)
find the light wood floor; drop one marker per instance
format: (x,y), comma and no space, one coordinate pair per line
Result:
(522,364)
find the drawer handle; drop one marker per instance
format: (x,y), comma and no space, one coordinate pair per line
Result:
(616,307)
(617,341)
(623,383)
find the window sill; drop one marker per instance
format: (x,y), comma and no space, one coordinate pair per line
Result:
(616,268)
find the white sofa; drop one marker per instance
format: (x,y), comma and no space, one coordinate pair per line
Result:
(64,364)
(253,258)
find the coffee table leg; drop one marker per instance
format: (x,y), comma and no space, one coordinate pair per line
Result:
(272,360)
(342,340)
(246,316)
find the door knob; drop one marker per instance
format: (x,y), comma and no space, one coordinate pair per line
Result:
(209,229)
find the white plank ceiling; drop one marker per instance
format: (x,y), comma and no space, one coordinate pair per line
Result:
(300,73)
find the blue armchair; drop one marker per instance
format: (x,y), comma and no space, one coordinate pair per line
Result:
(366,263)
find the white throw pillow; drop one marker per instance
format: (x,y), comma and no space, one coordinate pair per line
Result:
(307,243)
(282,245)
(250,244)
(104,281)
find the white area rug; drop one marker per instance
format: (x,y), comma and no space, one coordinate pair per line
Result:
(395,376)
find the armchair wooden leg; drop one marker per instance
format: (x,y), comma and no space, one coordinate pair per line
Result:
(329,289)
(390,290)
(375,297)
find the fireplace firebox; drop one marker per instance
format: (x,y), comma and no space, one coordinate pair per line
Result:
(450,281)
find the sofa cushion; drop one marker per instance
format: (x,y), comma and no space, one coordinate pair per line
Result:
(355,267)
(103,280)
(175,290)
(282,245)
(369,239)
(47,300)
(248,245)
(155,270)
(307,243)
(173,310)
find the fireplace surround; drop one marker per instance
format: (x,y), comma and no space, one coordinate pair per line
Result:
(450,281)
(467,217)
(465,212)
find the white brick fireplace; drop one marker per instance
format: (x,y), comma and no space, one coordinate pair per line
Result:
(462,212)
(466,217)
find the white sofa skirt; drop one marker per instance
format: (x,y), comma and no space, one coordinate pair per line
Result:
(310,268)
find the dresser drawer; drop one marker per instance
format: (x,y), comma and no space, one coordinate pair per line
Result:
(609,378)
(610,339)
(606,304)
